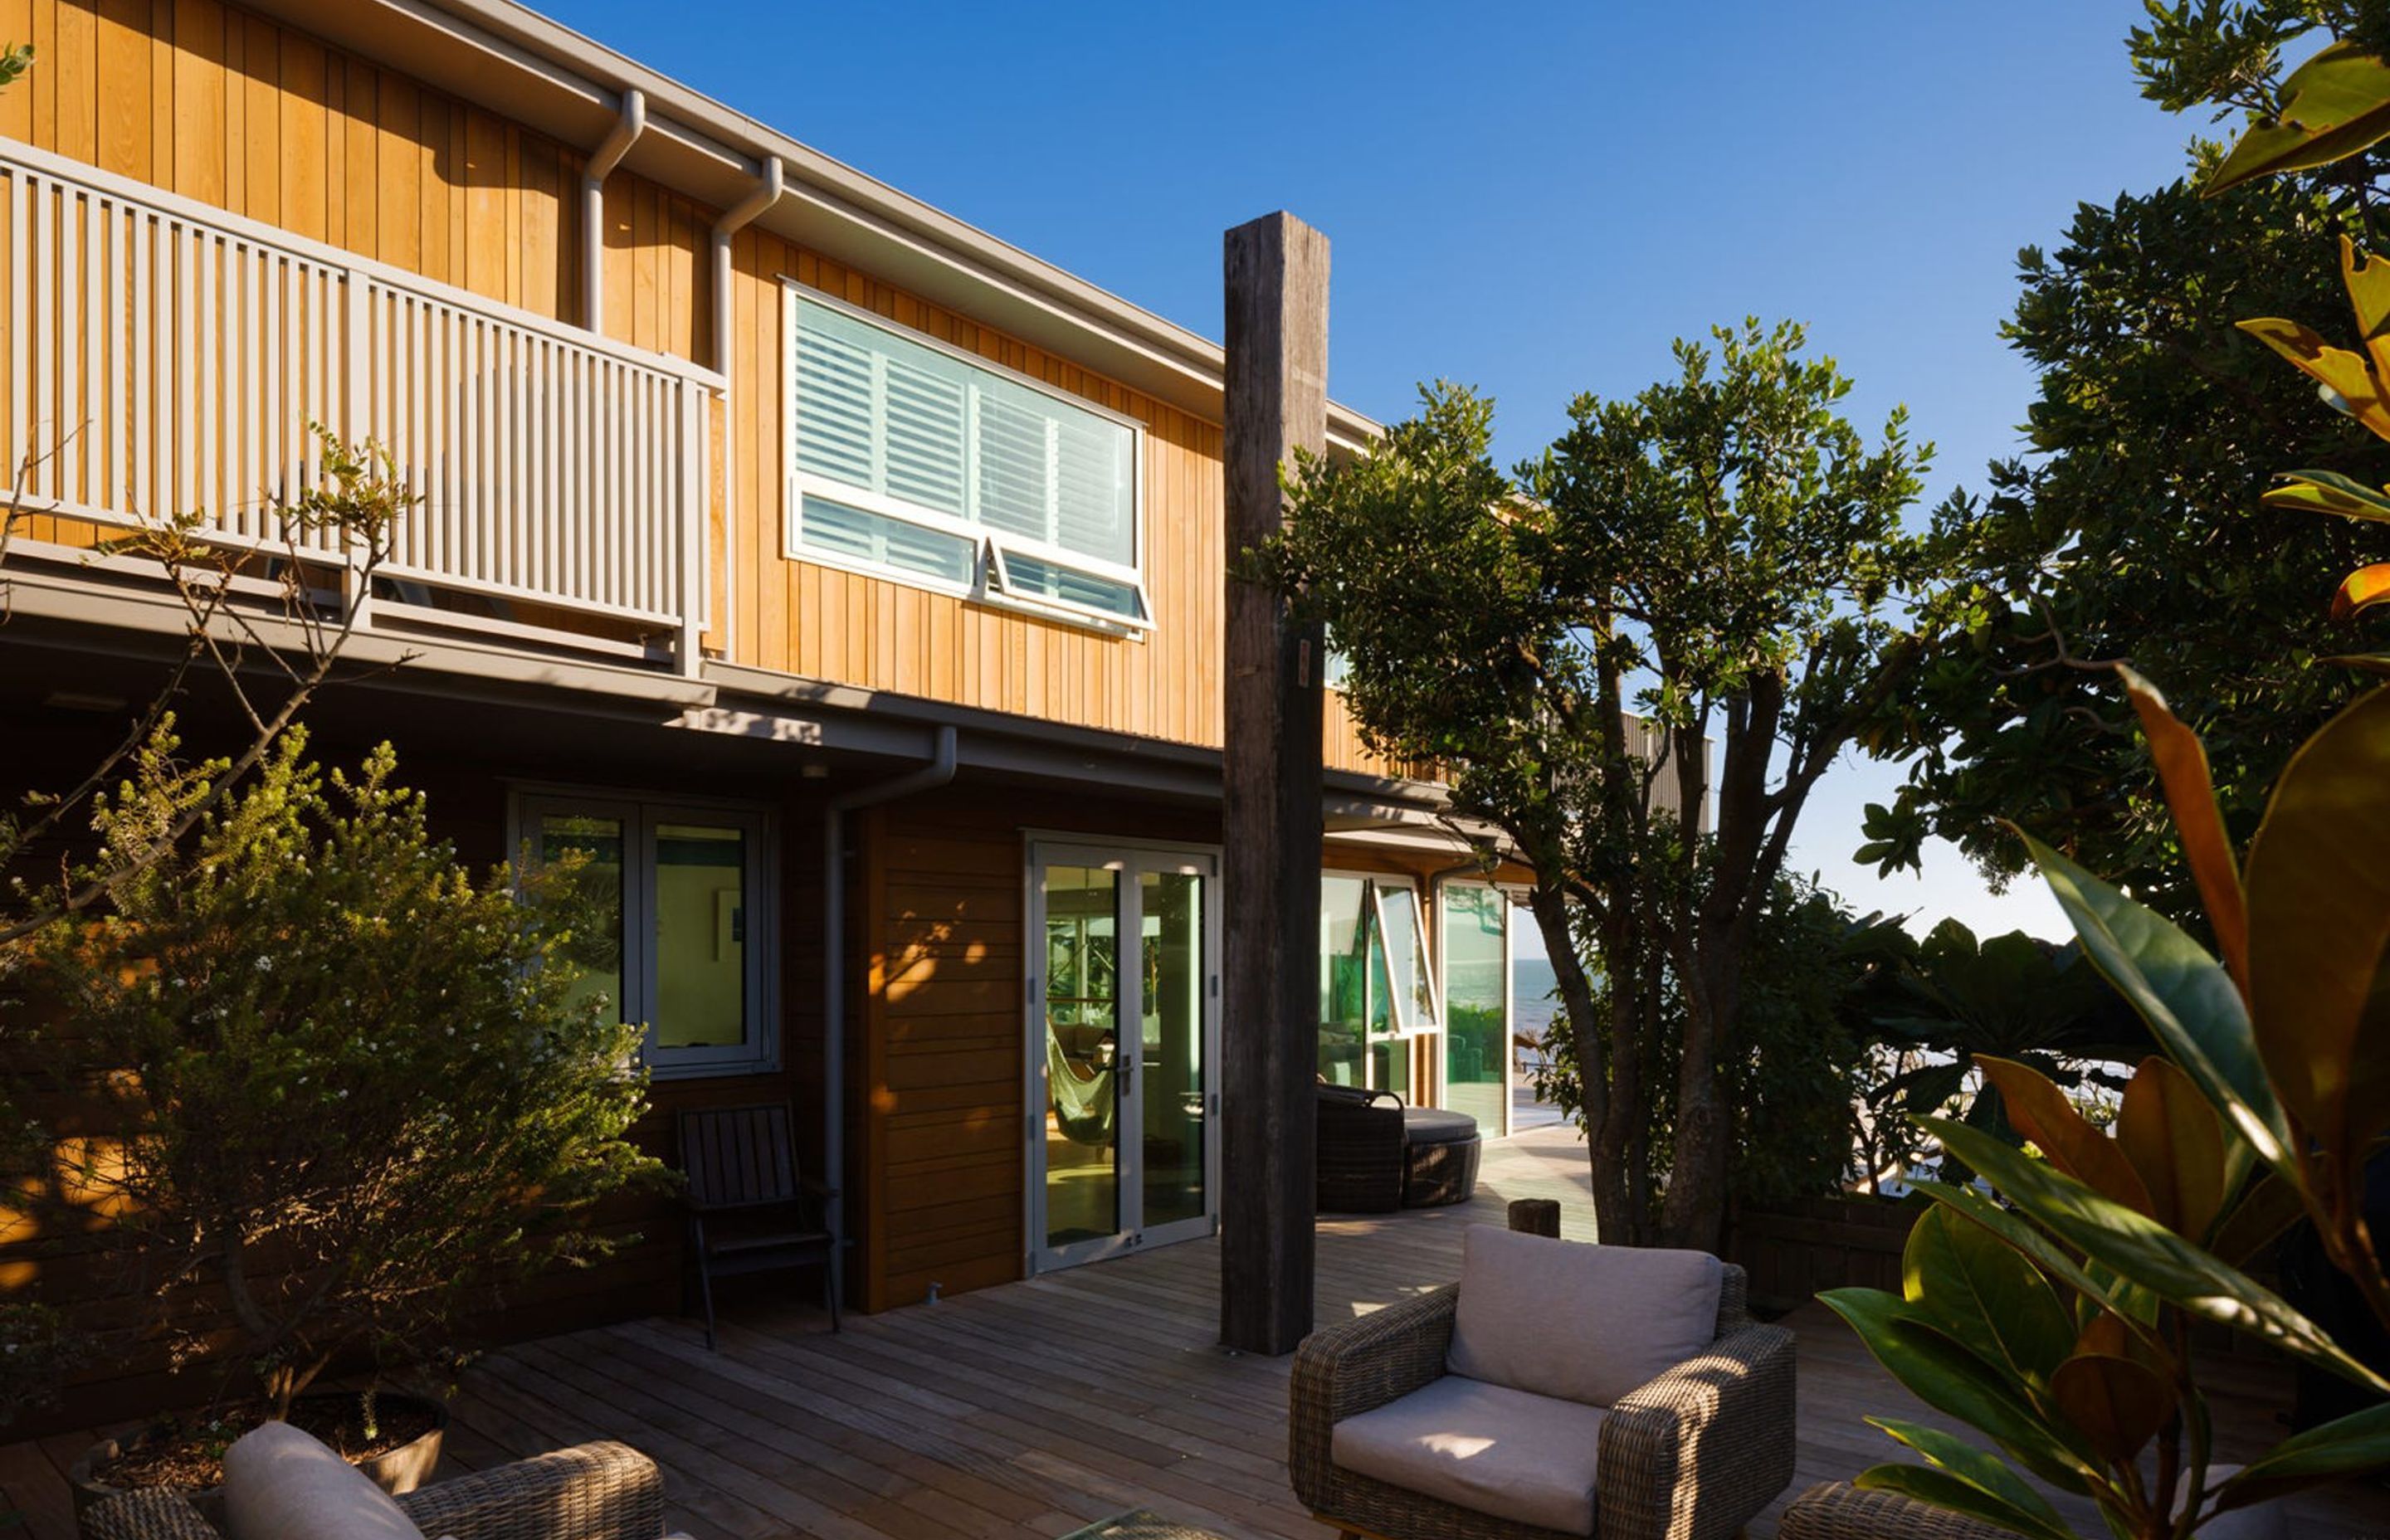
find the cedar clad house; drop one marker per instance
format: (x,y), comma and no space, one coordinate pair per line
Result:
(847,582)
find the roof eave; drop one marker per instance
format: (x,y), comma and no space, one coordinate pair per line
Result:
(512,61)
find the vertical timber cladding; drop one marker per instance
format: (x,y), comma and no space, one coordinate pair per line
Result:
(210,101)
(204,99)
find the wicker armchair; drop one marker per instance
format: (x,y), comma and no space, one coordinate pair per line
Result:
(595,1492)
(1693,1455)
(1837,1510)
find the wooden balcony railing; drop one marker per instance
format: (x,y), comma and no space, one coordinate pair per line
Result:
(163,356)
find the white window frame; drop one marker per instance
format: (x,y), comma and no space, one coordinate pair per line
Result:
(1409,1035)
(640,817)
(989,584)
(1400,1008)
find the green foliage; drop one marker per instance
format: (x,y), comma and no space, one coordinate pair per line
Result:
(355,504)
(1718,559)
(2274,1101)
(15,59)
(1952,997)
(39,1347)
(2228,56)
(346,1092)
(2076,1369)
(2134,530)
(1803,1062)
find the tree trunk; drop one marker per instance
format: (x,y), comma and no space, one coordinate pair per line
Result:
(1694,1213)
(1622,1144)
(1589,1040)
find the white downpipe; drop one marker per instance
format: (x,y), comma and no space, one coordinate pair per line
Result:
(602,160)
(937,771)
(746,210)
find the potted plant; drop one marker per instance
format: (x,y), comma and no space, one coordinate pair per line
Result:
(346,1089)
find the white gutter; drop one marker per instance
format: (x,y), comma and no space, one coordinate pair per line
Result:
(746,211)
(628,126)
(930,777)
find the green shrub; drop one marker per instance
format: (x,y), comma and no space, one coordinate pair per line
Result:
(346,1092)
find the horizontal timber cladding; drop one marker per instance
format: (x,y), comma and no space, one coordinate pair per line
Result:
(218,105)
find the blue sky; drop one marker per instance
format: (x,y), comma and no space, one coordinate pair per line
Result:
(1534,200)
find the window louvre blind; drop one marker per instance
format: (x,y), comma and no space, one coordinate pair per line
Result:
(875,413)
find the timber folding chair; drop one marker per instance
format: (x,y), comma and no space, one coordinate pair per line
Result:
(748,1209)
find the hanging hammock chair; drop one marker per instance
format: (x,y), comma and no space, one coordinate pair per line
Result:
(1084,1106)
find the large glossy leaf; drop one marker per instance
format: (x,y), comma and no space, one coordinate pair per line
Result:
(2140,1249)
(2336,104)
(2042,1113)
(2361,590)
(2127,1301)
(2319,916)
(1944,1375)
(2268,1207)
(2181,761)
(2190,1004)
(2170,1134)
(2326,492)
(2351,1446)
(2368,283)
(2013,1232)
(1986,1295)
(2118,1404)
(2113,1336)
(2368,662)
(1943,1489)
(2348,378)
(1987,1472)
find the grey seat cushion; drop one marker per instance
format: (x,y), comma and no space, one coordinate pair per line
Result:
(283,1484)
(1579,1322)
(1487,1448)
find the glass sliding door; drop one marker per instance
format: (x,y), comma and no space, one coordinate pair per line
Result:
(1176,1147)
(1474,929)
(1083,1061)
(1122,1031)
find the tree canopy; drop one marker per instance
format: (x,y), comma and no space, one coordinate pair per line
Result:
(1718,563)
(2131,530)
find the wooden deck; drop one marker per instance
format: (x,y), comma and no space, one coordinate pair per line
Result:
(1035,1407)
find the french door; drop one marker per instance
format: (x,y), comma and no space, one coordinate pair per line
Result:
(1122,1036)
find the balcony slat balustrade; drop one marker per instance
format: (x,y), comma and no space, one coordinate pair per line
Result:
(168,358)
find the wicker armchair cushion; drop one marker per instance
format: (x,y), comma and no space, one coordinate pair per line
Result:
(1526,1458)
(281,1483)
(1579,1322)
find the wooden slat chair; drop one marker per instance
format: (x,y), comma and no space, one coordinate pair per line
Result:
(742,1161)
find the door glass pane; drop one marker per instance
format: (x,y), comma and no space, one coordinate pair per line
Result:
(1172,1067)
(590,897)
(1081,1046)
(701,936)
(1344,984)
(1477,1003)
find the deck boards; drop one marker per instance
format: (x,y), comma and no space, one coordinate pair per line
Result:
(1035,1407)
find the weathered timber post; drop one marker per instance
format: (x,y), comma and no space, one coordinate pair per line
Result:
(1277,270)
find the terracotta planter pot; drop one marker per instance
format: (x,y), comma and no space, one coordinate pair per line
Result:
(395,1471)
